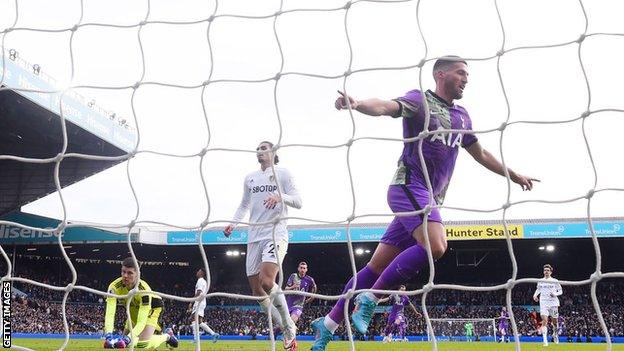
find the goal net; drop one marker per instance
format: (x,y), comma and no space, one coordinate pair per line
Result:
(200,92)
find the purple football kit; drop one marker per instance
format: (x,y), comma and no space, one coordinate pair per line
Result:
(295,302)
(396,318)
(408,191)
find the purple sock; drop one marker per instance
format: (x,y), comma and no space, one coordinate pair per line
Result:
(365,279)
(402,330)
(403,268)
(388,329)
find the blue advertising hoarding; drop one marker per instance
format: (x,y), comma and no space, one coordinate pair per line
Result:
(374,233)
(296,235)
(573,230)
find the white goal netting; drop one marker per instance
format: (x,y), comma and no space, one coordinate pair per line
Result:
(278,64)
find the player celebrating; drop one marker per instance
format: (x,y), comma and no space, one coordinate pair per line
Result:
(548,292)
(401,253)
(302,282)
(396,318)
(262,199)
(145,310)
(468,329)
(198,307)
(503,324)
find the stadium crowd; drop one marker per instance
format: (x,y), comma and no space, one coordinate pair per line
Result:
(38,309)
(40,312)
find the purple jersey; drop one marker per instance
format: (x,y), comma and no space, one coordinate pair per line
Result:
(398,305)
(502,322)
(439,150)
(305,284)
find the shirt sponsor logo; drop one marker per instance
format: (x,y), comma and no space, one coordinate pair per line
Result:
(264,188)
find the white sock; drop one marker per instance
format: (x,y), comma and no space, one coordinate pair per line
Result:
(194,332)
(545,334)
(330,324)
(265,305)
(206,328)
(282,307)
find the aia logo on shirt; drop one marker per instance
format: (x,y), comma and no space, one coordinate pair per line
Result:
(448,139)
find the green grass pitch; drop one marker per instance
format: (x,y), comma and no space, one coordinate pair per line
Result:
(84,345)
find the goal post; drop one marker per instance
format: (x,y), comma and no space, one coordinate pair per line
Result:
(455,329)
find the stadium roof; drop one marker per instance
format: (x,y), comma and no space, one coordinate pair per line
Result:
(30,127)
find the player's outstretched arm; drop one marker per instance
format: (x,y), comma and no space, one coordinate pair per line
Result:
(240,212)
(371,107)
(109,316)
(383,300)
(309,299)
(142,315)
(418,314)
(290,283)
(536,294)
(558,290)
(290,193)
(487,160)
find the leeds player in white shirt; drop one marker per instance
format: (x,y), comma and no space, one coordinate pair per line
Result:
(261,198)
(198,307)
(548,292)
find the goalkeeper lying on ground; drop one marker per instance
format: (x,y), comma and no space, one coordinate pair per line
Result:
(145,310)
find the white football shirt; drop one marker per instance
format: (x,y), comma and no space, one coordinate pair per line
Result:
(200,285)
(548,292)
(257,187)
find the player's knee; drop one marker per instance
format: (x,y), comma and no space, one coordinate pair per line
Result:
(267,284)
(438,249)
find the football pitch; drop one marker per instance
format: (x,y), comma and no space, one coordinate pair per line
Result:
(84,345)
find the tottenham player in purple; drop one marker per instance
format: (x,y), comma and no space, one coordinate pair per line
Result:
(401,253)
(302,282)
(396,318)
(503,324)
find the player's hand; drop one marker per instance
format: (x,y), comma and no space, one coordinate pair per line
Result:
(535,298)
(344,101)
(525,182)
(228,230)
(271,201)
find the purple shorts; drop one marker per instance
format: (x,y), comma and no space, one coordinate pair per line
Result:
(407,198)
(295,311)
(399,319)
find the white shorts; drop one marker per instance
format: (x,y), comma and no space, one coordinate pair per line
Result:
(550,311)
(199,307)
(263,251)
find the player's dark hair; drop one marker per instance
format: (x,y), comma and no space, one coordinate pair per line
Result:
(201,269)
(275,157)
(128,262)
(444,62)
(302,262)
(548,266)
(402,286)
